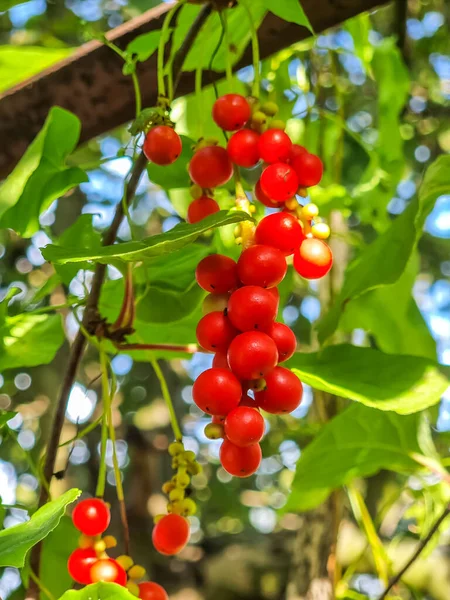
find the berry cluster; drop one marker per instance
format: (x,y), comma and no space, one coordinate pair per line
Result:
(90,563)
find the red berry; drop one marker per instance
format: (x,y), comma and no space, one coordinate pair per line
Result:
(80,563)
(264,199)
(216,391)
(247,401)
(283,392)
(240,462)
(218,420)
(171,534)
(162,145)
(91,516)
(149,590)
(313,259)
(280,230)
(279,181)
(296,150)
(309,169)
(275,295)
(262,265)
(215,332)
(243,148)
(285,340)
(252,355)
(244,426)
(231,112)
(200,208)
(217,274)
(210,167)
(275,146)
(108,569)
(220,360)
(252,307)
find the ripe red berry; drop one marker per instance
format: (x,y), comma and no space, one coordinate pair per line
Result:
(91,516)
(283,392)
(275,146)
(243,148)
(80,563)
(252,355)
(210,167)
(280,230)
(313,259)
(231,112)
(279,181)
(217,274)
(275,295)
(285,340)
(108,569)
(215,332)
(149,590)
(162,145)
(244,426)
(252,307)
(171,534)
(216,391)
(296,150)
(264,199)
(200,208)
(309,169)
(220,360)
(240,462)
(262,265)
(218,420)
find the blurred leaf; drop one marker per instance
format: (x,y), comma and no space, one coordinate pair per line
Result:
(404,384)
(5,416)
(41,175)
(30,340)
(157,245)
(383,262)
(143,46)
(402,328)
(359,28)
(357,443)
(289,11)
(18,63)
(16,541)
(11,292)
(56,550)
(174,175)
(99,591)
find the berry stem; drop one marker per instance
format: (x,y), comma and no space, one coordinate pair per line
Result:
(228,66)
(101,482)
(199,96)
(165,32)
(41,586)
(167,398)
(189,348)
(255,50)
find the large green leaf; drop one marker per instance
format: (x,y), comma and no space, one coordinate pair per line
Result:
(384,261)
(289,10)
(41,175)
(56,550)
(17,63)
(30,340)
(143,46)
(404,384)
(176,174)
(16,541)
(357,443)
(163,305)
(99,591)
(157,245)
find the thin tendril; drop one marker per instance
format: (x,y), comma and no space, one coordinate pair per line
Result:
(213,56)
(166,395)
(101,482)
(162,43)
(255,50)
(228,66)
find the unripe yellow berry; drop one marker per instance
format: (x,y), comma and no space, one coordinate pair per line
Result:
(195,468)
(310,211)
(183,480)
(176,495)
(133,588)
(258,385)
(168,487)
(136,572)
(252,208)
(259,118)
(277,124)
(238,241)
(189,455)
(320,231)
(214,302)
(269,108)
(302,192)
(214,431)
(158,518)
(175,508)
(85,541)
(196,191)
(100,546)
(125,561)
(176,448)
(292,203)
(110,541)
(189,507)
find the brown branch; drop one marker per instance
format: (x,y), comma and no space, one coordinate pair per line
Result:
(421,547)
(90,315)
(188,348)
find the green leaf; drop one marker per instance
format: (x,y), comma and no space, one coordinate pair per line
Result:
(174,175)
(82,234)
(56,550)
(163,305)
(357,443)
(11,292)
(383,262)
(99,591)
(289,10)
(30,340)
(157,245)
(359,28)
(16,541)
(143,46)
(18,63)
(5,416)
(404,384)
(41,175)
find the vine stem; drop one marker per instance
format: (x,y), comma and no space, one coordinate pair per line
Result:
(228,66)
(167,398)
(162,44)
(41,586)
(255,50)
(101,482)
(91,311)
(189,348)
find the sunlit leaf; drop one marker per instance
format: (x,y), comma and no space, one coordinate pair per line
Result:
(143,46)
(99,591)
(289,11)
